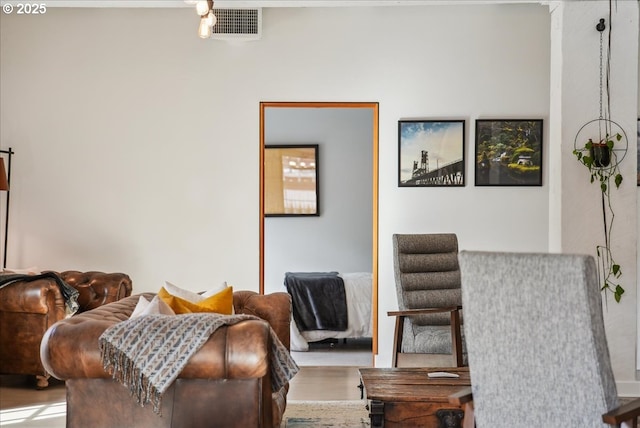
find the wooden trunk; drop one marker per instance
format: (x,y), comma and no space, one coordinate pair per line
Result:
(407,397)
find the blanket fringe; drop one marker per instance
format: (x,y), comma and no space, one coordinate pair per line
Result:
(124,370)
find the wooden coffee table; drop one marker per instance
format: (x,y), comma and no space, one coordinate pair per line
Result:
(407,397)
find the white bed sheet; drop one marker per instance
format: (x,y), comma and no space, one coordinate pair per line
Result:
(357,287)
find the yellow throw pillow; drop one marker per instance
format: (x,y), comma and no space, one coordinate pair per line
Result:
(221,302)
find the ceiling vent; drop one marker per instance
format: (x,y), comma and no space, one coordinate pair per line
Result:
(237,24)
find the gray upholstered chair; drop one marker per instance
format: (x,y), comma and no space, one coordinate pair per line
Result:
(536,343)
(428,289)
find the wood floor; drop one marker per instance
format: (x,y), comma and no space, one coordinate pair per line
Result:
(325,383)
(22,406)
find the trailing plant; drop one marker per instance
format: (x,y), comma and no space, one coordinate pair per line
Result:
(602,163)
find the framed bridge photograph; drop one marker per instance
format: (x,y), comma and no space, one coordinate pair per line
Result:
(508,152)
(431,153)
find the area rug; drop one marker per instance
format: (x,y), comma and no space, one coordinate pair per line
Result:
(342,414)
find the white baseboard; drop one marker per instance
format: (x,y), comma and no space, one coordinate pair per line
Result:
(628,388)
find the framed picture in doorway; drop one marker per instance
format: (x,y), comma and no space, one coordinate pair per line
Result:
(508,152)
(291,180)
(431,153)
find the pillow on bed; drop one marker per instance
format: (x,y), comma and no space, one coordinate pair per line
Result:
(221,302)
(155,306)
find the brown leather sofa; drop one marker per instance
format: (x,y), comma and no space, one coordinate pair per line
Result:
(29,308)
(227,383)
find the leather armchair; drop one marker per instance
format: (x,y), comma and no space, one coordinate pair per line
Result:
(227,383)
(29,308)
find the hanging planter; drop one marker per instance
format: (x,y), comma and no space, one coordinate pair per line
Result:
(601,155)
(600,152)
(602,160)
(600,145)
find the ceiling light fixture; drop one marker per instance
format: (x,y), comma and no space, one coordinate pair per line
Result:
(204,8)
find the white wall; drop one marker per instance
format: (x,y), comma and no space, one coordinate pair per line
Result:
(340,239)
(574,201)
(137,143)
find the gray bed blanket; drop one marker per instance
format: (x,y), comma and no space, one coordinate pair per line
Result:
(319,300)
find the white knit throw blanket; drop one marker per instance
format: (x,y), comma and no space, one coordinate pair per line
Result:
(146,354)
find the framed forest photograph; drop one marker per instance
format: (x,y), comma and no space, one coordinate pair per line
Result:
(508,152)
(431,153)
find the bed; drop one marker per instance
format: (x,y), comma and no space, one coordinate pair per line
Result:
(357,297)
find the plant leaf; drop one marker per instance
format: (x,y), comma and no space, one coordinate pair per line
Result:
(615,268)
(618,180)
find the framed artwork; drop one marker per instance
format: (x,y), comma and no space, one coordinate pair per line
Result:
(431,153)
(508,152)
(638,149)
(291,180)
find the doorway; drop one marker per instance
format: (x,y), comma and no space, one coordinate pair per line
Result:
(266,112)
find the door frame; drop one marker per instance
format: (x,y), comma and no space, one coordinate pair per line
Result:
(374,180)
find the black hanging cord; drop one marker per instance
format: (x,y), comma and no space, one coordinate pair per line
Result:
(601,26)
(608,69)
